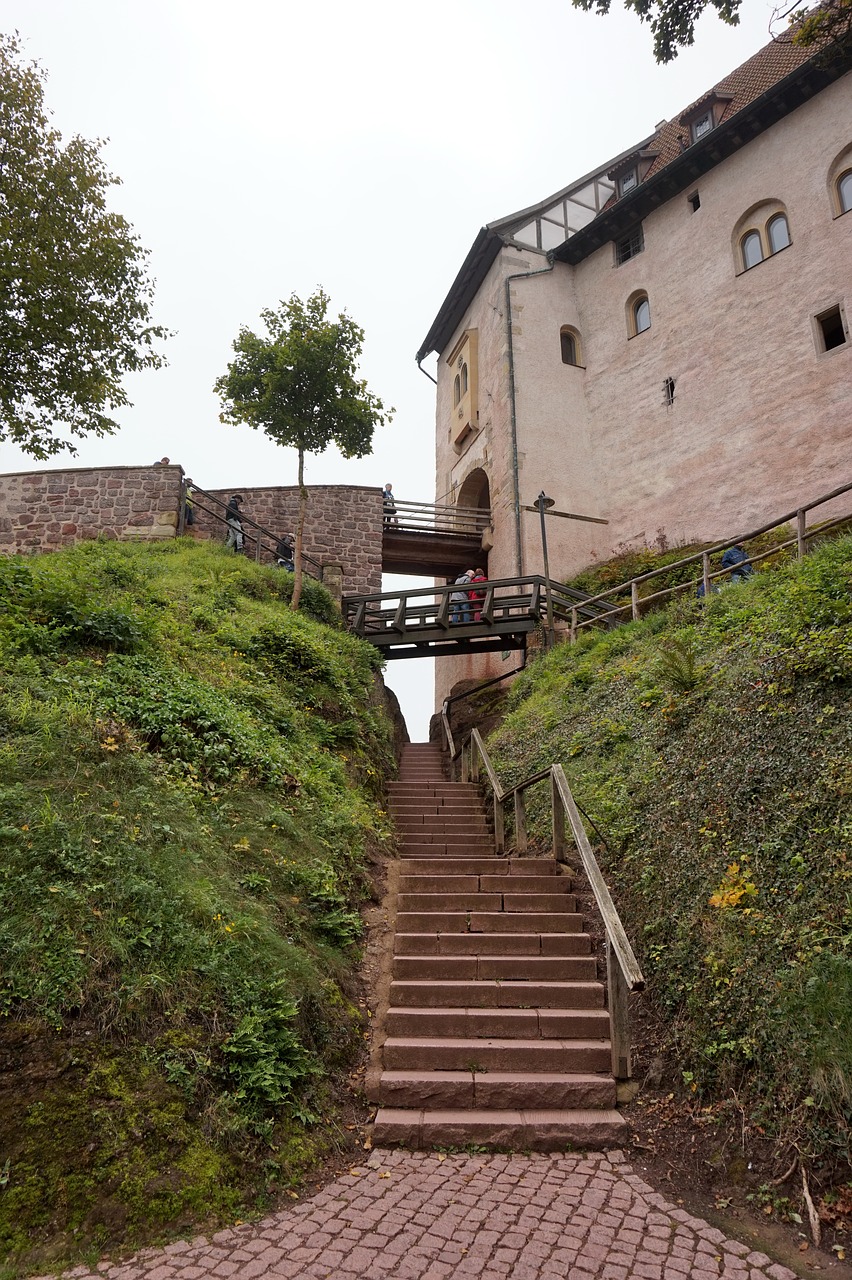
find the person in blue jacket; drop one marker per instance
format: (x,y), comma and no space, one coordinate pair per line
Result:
(736,559)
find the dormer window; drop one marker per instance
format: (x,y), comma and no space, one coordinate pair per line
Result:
(627,182)
(702,125)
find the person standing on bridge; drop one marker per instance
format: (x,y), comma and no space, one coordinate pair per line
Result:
(459,599)
(388,505)
(477,596)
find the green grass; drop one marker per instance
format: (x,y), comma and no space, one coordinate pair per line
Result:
(190,797)
(711,745)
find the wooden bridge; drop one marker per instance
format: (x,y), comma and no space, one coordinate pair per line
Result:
(427,622)
(433,540)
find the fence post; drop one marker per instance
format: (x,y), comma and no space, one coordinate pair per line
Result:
(465,763)
(634,600)
(499,826)
(705,571)
(520,822)
(558,820)
(801,538)
(573,635)
(619,1023)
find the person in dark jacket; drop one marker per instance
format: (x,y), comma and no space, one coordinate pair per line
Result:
(736,559)
(284,552)
(234,537)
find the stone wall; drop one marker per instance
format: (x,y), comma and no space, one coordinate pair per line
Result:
(343,526)
(44,510)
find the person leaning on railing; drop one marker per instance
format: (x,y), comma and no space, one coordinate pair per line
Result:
(476,597)
(736,559)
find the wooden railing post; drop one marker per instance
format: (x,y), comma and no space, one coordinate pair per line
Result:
(619,1021)
(558,818)
(705,573)
(499,826)
(573,635)
(634,599)
(520,822)
(801,537)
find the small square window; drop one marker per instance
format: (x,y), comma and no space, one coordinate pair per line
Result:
(628,246)
(627,182)
(831,330)
(695,201)
(701,126)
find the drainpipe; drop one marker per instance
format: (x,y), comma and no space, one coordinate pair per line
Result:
(521,275)
(426,374)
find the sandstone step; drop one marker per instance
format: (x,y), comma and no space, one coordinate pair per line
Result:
(483,922)
(415,827)
(452,882)
(496,1053)
(444,788)
(448,848)
(493,1089)
(459,992)
(436,804)
(505,1022)
(503,1129)
(495,865)
(496,968)
(491,944)
(449,901)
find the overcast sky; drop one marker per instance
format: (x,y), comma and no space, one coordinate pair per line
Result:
(265,148)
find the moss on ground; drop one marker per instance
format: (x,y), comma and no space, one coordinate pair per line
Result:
(711,746)
(190,801)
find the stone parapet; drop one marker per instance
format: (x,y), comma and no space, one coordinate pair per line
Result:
(45,510)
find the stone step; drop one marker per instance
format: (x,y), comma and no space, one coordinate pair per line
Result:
(505,1022)
(493,1089)
(421,993)
(478,900)
(451,847)
(489,922)
(497,1053)
(415,827)
(517,1130)
(400,789)
(436,804)
(481,866)
(491,944)
(451,882)
(496,968)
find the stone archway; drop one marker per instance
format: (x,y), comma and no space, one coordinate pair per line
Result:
(475,492)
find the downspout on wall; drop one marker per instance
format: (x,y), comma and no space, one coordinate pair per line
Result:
(513,417)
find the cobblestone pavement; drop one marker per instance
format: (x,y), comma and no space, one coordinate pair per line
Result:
(421,1216)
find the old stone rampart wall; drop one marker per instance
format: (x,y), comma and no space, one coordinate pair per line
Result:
(46,510)
(343,526)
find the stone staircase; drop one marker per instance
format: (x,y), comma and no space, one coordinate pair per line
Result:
(496,1033)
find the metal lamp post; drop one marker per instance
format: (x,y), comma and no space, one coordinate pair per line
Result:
(542,502)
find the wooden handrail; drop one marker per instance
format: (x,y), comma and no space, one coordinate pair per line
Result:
(623,972)
(800,541)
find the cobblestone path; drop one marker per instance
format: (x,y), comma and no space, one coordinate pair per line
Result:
(421,1216)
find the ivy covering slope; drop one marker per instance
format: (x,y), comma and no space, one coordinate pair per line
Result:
(190,783)
(711,745)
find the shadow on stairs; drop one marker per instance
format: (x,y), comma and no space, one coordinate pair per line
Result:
(496,1034)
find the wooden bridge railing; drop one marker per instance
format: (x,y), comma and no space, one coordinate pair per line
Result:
(435,517)
(623,972)
(708,574)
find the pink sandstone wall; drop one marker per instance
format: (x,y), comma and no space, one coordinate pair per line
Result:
(44,510)
(343,526)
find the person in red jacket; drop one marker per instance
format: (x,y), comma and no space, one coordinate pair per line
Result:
(477,595)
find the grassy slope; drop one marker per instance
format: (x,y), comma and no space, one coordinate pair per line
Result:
(190,782)
(712,747)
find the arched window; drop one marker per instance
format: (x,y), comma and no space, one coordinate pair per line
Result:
(752,249)
(778,233)
(464,380)
(457,390)
(641,315)
(569,341)
(844,191)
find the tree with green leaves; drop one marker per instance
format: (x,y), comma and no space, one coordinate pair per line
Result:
(299,383)
(76,297)
(672,22)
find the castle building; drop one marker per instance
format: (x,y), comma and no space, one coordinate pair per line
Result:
(664,343)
